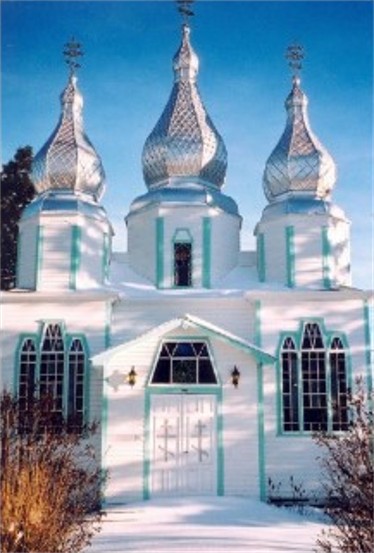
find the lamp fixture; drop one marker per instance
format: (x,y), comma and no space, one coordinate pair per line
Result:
(131,377)
(235,376)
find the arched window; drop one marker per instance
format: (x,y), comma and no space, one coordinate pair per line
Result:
(313,368)
(184,363)
(338,385)
(290,385)
(27,369)
(56,371)
(314,382)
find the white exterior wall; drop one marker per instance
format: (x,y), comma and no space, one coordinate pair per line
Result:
(296,455)
(126,417)
(141,236)
(94,247)
(187,222)
(27,255)
(55,252)
(304,260)
(225,244)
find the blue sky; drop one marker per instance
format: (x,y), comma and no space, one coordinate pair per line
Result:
(126,78)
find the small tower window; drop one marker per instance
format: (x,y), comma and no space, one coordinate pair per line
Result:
(182,264)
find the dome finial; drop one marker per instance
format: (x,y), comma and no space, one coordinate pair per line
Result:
(184,8)
(295,53)
(72,51)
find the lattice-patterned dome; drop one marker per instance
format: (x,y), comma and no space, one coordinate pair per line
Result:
(68,160)
(299,165)
(184,143)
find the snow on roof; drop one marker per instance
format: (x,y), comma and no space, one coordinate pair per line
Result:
(188,321)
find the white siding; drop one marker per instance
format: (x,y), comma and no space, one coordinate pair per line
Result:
(27,256)
(55,256)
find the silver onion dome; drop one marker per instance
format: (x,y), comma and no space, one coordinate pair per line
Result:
(68,160)
(184,143)
(299,165)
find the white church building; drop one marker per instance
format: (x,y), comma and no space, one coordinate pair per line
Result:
(208,367)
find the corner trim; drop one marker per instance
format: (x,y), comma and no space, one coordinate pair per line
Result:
(160,252)
(290,256)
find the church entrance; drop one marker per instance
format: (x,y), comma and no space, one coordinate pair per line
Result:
(183,444)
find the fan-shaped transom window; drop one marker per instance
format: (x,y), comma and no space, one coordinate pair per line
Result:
(314,382)
(184,363)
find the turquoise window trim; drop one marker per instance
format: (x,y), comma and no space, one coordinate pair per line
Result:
(261,260)
(297,337)
(104,433)
(39,256)
(261,433)
(191,338)
(160,252)
(326,259)
(207,244)
(257,324)
(67,338)
(21,340)
(106,257)
(368,344)
(74,255)
(18,260)
(108,325)
(182,390)
(182,235)
(290,256)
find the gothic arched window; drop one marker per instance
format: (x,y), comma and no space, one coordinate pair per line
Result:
(27,369)
(76,383)
(314,382)
(184,363)
(56,370)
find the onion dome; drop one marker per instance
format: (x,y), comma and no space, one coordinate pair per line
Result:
(184,145)
(299,165)
(68,161)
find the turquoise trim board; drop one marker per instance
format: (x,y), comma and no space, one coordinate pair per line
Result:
(108,325)
(38,256)
(176,390)
(260,406)
(18,260)
(290,256)
(261,432)
(207,239)
(106,257)
(160,252)
(326,259)
(74,256)
(104,435)
(261,265)
(368,337)
(297,336)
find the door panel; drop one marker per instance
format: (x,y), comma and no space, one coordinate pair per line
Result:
(183,444)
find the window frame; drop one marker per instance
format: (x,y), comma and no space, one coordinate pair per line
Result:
(328,338)
(171,383)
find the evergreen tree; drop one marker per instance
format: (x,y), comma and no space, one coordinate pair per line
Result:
(16,192)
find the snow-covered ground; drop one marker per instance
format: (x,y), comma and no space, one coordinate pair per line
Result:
(215,525)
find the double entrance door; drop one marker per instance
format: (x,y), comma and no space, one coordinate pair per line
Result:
(183,444)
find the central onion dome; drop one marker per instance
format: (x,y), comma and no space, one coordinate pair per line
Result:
(68,161)
(184,145)
(299,165)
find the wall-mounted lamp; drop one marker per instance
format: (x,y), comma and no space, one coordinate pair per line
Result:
(131,377)
(235,376)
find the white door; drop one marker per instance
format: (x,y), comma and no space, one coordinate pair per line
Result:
(183,444)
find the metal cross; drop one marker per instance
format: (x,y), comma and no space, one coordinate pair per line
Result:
(295,54)
(200,431)
(72,51)
(184,8)
(166,435)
